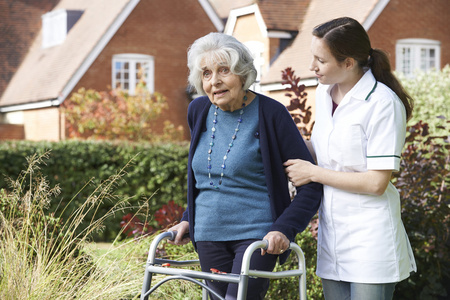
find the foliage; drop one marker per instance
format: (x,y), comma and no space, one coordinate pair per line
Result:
(43,258)
(169,214)
(157,175)
(134,226)
(300,113)
(431,94)
(423,184)
(287,288)
(115,114)
(166,216)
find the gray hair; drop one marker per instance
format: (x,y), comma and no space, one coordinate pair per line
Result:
(220,48)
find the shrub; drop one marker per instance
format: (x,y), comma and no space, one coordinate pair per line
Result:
(287,288)
(431,94)
(115,114)
(166,216)
(301,114)
(423,183)
(157,175)
(43,258)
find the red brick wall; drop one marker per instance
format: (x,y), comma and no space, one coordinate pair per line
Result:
(163,29)
(404,19)
(12,132)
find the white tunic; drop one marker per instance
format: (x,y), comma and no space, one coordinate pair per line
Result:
(361,237)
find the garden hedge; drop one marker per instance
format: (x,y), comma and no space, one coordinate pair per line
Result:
(156,173)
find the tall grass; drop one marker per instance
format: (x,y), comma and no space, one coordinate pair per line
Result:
(44,257)
(41,256)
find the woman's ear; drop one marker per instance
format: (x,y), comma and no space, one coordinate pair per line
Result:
(349,62)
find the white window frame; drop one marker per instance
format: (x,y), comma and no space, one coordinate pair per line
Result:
(257,50)
(56,24)
(127,82)
(54,27)
(414,54)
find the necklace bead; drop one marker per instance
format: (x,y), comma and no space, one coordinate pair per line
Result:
(230,145)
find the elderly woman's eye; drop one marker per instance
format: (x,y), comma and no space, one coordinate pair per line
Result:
(224,70)
(206,74)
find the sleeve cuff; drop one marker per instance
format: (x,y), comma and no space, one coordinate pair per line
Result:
(383,162)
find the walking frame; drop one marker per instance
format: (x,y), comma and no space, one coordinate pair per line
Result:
(159,266)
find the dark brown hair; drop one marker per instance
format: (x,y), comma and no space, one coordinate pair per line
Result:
(345,38)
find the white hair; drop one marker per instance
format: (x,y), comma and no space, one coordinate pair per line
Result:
(220,48)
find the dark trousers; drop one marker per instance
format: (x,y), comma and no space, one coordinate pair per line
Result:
(227,257)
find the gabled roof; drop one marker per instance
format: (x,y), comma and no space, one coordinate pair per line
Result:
(45,73)
(223,7)
(272,15)
(285,15)
(47,76)
(298,55)
(19,26)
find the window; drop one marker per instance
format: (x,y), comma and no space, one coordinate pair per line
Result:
(257,50)
(56,24)
(417,54)
(129,69)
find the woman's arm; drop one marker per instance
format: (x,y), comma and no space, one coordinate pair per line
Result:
(280,140)
(373,182)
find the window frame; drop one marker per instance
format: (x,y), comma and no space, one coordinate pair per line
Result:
(56,24)
(133,59)
(257,50)
(416,60)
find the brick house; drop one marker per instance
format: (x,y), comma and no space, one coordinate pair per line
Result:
(414,33)
(157,33)
(83,43)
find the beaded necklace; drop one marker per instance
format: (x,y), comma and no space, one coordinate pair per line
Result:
(211,143)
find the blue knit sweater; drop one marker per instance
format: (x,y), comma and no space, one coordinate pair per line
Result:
(279,140)
(239,208)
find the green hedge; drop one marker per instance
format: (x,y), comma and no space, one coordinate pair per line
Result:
(156,174)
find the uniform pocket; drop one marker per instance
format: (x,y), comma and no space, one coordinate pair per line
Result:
(347,145)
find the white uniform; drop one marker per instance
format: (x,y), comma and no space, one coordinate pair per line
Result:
(361,237)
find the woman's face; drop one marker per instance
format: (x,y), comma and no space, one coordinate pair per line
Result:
(328,70)
(222,87)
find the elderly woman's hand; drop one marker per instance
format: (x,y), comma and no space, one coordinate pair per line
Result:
(299,171)
(278,243)
(181,229)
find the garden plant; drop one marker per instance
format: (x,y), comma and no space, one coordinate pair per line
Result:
(55,206)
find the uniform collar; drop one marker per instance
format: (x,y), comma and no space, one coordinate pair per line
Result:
(364,88)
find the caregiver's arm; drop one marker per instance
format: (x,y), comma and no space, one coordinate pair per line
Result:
(372,182)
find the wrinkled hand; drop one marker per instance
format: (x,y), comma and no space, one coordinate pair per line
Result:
(181,228)
(278,243)
(299,171)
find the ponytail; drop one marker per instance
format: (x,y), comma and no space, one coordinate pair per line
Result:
(381,69)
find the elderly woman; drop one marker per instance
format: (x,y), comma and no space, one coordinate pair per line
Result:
(237,188)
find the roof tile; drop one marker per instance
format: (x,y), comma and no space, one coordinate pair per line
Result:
(45,72)
(298,55)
